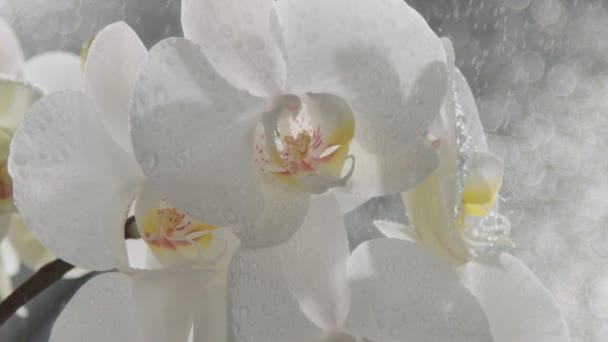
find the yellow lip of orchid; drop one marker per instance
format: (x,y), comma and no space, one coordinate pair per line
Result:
(303,154)
(482,184)
(175,238)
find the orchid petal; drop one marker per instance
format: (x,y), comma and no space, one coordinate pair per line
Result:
(284,210)
(433,219)
(61,157)
(518,306)
(11,53)
(431,205)
(365,55)
(211,315)
(165,301)
(16,98)
(202,160)
(101,310)
(314,264)
(377,175)
(54,71)
(333,117)
(111,69)
(262,307)
(401,291)
(32,254)
(237,38)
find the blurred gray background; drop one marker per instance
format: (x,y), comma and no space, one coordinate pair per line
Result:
(538,69)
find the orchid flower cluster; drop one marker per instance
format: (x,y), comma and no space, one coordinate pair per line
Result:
(238,149)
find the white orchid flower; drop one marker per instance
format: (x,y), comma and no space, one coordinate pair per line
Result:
(75,178)
(267,102)
(314,289)
(517,305)
(21,84)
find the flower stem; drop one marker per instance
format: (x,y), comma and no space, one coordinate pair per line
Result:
(38,282)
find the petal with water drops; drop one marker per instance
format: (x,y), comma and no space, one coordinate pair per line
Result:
(314,263)
(237,37)
(262,307)
(193,134)
(101,310)
(73,184)
(401,291)
(369,56)
(518,306)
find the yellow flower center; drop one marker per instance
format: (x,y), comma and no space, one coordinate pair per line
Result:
(175,238)
(305,144)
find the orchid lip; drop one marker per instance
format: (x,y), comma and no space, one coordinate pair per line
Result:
(176,238)
(304,141)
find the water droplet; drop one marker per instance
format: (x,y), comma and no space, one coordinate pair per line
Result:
(243,311)
(149,160)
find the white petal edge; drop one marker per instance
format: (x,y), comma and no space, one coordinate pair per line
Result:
(113,64)
(314,264)
(237,38)
(401,291)
(261,307)
(101,310)
(11,53)
(72,183)
(193,134)
(518,306)
(54,71)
